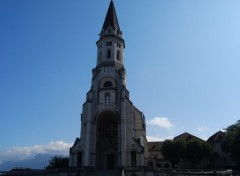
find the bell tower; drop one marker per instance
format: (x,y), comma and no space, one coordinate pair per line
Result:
(110,44)
(113,133)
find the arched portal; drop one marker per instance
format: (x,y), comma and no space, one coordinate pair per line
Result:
(107,141)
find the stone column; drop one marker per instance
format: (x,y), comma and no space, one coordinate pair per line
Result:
(123,129)
(88,136)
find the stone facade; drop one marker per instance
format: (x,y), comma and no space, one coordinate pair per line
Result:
(113,130)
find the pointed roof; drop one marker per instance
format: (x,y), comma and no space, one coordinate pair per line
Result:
(111,18)
(155,146)
(217,137)
(186,137)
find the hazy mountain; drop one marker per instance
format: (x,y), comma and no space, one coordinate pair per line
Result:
(38,162)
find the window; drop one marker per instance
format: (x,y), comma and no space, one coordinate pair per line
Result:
(109,43)
(107,98)
(118,45)
(109,54)
(150,164)
(108,84)
(133,159)
(118,55)
(79,159)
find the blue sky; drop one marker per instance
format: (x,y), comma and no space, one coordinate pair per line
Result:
(182,59)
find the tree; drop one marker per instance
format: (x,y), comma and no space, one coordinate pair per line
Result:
(173,151)
(231,141)
(58,162)
(197,150)
(193,151)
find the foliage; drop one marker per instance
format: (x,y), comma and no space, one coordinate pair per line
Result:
(231,142)
(58,162)
(173,151)
(193,151)
(196,151)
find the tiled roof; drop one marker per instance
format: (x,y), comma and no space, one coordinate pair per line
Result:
(217,137)
(155,146)
(186,137)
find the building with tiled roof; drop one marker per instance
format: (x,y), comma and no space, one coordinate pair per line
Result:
(155,158)
(217,137)
(187,137)
(219,158)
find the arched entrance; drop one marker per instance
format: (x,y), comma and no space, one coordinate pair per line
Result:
(107,141)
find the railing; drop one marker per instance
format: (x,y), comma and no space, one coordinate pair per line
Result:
(198,172)
(129,172)
(173,172)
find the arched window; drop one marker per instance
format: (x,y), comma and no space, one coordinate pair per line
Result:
(107,98)
(118,55)
(109,43)
(133,159)
(79,159)
(108,54)
(108,84)
(100,56)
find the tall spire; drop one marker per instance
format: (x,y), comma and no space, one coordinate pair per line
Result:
(111,18)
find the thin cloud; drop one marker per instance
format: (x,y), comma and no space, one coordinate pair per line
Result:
(21,153)
(201,129)
(155,139)
(163,122)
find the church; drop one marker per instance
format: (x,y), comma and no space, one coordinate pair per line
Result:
(113,130)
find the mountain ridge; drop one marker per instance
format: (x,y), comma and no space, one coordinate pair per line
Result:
(39,161)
